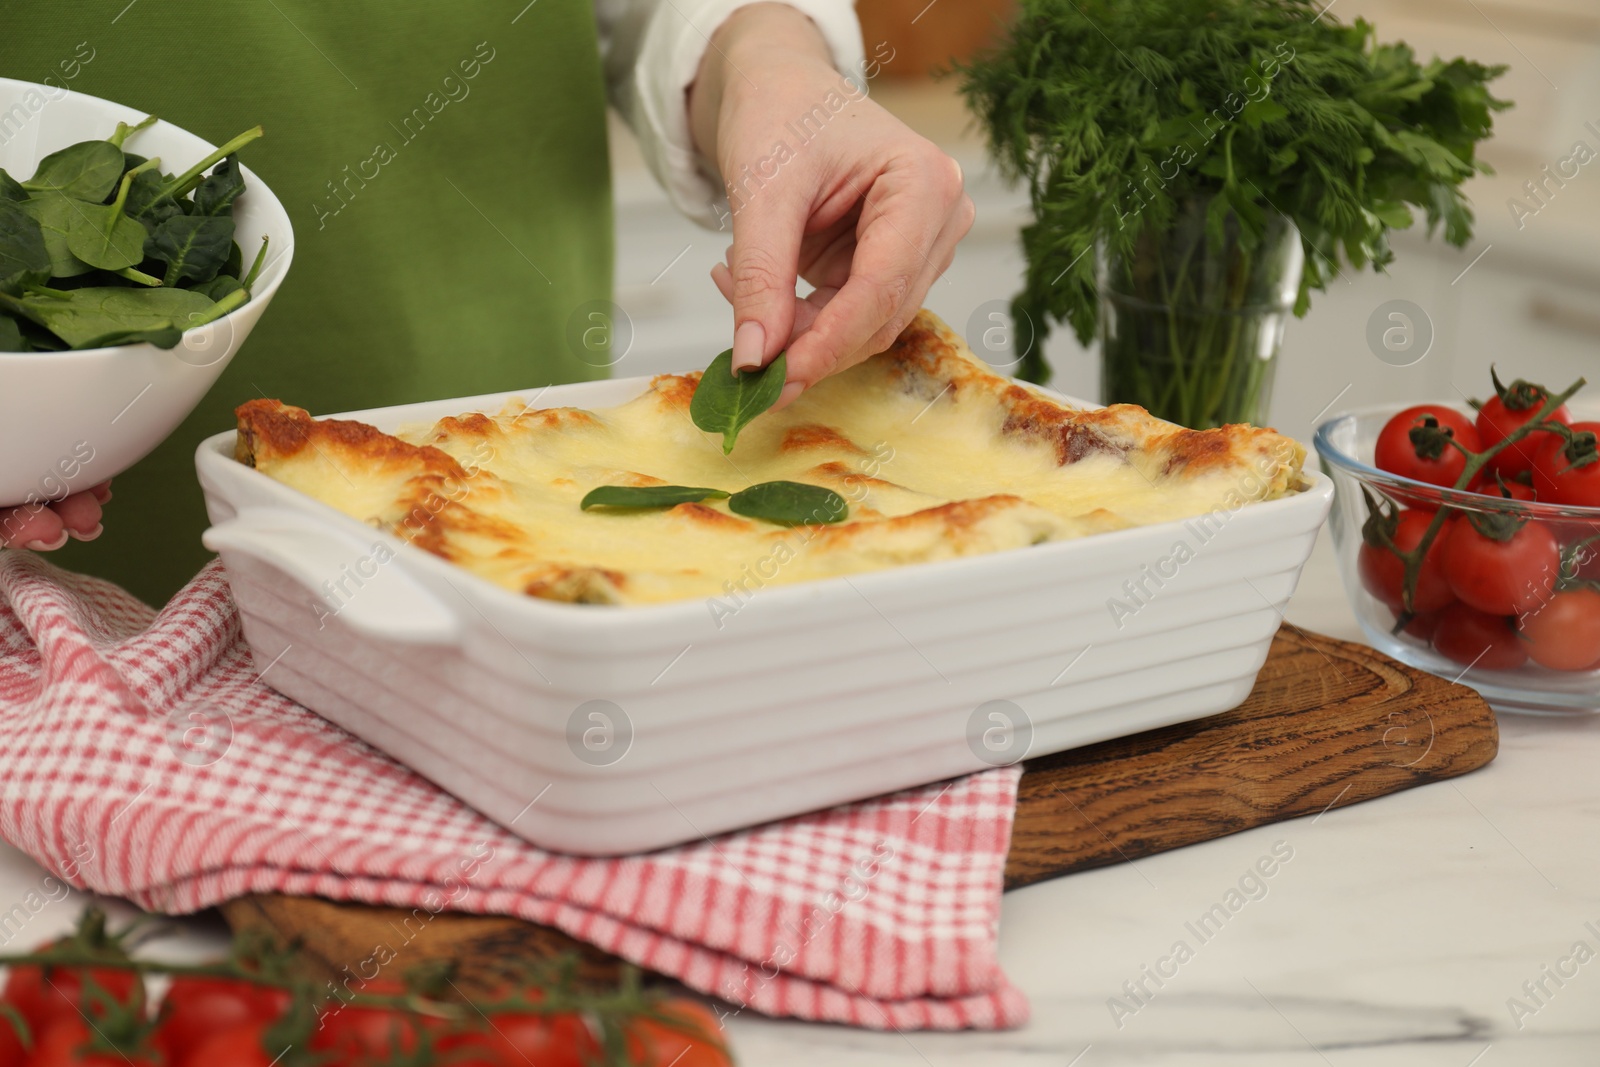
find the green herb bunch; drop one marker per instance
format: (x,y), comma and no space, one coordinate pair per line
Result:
(1118,113)
(99,247)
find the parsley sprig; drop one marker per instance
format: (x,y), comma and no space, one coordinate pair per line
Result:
(1118,113)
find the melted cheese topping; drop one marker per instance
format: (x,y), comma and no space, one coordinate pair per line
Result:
(937,457)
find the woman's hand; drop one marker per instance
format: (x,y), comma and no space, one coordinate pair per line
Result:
(45,527)
(822,184)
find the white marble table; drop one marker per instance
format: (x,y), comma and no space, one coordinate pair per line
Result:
(1395,935)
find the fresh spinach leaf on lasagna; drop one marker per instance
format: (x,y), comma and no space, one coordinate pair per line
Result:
(725,402)
(790,504)
(647,496)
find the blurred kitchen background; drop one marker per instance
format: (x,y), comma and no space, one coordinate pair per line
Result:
(1526,297)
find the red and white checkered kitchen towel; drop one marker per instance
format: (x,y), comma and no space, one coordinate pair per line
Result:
(879,914)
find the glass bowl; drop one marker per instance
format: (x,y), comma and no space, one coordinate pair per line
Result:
(1344,444)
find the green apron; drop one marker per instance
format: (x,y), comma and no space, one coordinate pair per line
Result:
(445,168)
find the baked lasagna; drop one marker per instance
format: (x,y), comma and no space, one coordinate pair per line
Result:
(937,456)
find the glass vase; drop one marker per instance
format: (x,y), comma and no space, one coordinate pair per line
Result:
(1190,328)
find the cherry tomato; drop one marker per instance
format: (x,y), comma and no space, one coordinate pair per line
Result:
(1585,554)
(1505,490)
(43,994)
(1555,477)
(236,1046)
(1439,463)
(356,1032)
(1564,634)
(1383,573)
(64,1043)
(1502,577)
(655,1044)
(1422,626)
(11,1050)
(515,1038)
(195,1008)
(1475,639)
(1505,413)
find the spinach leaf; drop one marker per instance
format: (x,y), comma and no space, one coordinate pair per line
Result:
(83,318)
(106,238)
(11,339)
(88,170)
(18,284)
(218,192)
(54,214)
(646,496)
(163,336)
(218,287)
(190,178)
(235,263)
(36,338)
(102,236)
(724,403)
(21,241)
(790,504)
(148,200)
(192,246)
(10,189)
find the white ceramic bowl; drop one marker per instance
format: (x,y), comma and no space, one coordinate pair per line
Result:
(69,420)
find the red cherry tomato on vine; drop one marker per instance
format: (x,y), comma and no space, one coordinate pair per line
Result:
(65,1043)
(357,1033)
(196,1008)
(1585,554)
(657,1045)
(235,1046)
(1383,573)
(43,995)
(1506,490)
(1564,634)
(1423,626)
(1475,639)
(513,1038)
(1440,463)
(11,1054)
(1502,577)
(1497,421)
(1555,477)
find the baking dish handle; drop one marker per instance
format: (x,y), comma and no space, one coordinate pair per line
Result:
(357,581)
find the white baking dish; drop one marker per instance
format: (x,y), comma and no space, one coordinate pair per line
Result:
(809,696)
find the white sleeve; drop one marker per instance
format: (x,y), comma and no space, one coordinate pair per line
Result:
(651,51)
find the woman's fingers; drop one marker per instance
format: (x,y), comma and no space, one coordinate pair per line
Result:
(805,309)
(766,253)
(888,263)
(32,526)
(829,267)
(45,528)
(80,515)
(862,207)
(939,260)
(887,277)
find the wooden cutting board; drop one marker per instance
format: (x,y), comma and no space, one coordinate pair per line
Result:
(1329,723)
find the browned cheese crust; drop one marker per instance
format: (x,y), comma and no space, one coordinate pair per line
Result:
(938,456)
